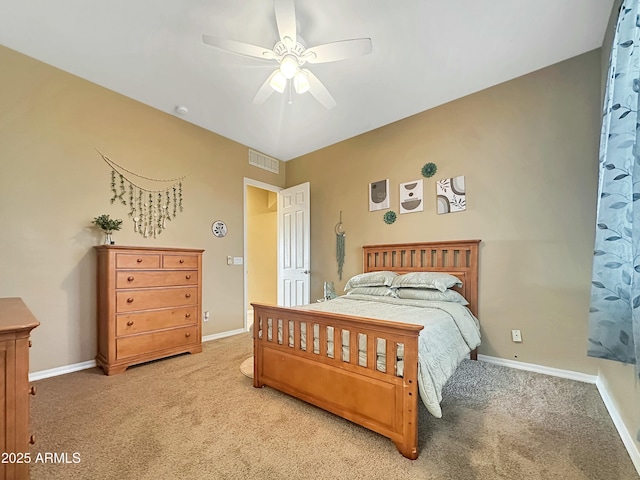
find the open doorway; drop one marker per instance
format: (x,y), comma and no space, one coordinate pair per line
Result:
(261,245)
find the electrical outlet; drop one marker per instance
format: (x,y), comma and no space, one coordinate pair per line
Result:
(516,336)
(238,260)
(205,317)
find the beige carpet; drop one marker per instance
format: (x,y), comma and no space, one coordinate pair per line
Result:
(246,367)
(199,417)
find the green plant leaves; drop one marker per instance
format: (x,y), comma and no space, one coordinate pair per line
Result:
(104,222)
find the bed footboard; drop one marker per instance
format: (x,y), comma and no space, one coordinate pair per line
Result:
(363,370)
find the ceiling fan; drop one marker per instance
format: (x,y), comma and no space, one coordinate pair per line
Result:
(291,53)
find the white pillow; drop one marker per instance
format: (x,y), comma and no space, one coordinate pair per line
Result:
(378,291)
(431,295)
(439,281)
(371,279)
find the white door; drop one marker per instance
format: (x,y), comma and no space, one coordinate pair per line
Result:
(294,279)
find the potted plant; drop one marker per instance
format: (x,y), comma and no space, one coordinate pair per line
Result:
(107,225)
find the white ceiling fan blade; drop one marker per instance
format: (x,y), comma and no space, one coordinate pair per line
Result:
(319,91)
(265,90)
(286,19)
(332,52)
(239,48)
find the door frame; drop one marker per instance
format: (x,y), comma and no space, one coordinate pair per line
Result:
(249,182)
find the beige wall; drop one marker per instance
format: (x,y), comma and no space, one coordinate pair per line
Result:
(528,149)
(262,244)
(53,183)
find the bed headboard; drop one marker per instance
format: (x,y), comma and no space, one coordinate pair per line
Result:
(459,258)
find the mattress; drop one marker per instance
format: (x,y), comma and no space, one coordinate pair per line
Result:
(450,333)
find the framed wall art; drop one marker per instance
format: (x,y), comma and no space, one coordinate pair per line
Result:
(379,195)
(450,195)
(411,198)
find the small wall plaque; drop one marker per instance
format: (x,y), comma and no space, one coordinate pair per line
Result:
(219,228)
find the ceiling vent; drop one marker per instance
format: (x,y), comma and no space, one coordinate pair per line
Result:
(260,160)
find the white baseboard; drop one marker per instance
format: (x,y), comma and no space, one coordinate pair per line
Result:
(54,372)
(229,333)
(625,435)
(532,367)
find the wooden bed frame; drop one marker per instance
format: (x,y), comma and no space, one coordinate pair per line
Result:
(380,401)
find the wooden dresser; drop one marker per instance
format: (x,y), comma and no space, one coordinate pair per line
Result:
(149,304)
(16,323)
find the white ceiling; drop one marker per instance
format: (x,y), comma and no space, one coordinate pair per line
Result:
(425,53)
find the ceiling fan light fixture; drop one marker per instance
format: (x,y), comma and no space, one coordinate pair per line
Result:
(301,83)
(289,66)
(291,53)
(278,82)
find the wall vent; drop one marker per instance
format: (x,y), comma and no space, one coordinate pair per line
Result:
(260,160)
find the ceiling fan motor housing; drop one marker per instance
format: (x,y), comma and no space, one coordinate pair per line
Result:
(281,49)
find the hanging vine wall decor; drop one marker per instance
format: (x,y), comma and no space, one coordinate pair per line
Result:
(148,208)
(340,234)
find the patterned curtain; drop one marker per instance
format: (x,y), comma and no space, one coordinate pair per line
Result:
(614,321)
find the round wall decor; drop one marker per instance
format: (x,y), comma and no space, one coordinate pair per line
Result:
(429,169)
(219,228)
(389,217)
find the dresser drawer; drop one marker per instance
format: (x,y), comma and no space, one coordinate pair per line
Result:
(155,279)
(152,342)
(128,324)
(180,261)
(137,260)
(132,300)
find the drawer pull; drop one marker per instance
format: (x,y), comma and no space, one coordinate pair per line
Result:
(188,295)
(129,323)
(32,440)
(32,390)
(139,260)
(181,260)
(130,300)
(129,279)
(187,315)
(188,277)
(187,334)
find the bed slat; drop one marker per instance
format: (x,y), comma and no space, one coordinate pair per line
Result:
(353,348)
(323,341)
(371,352)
